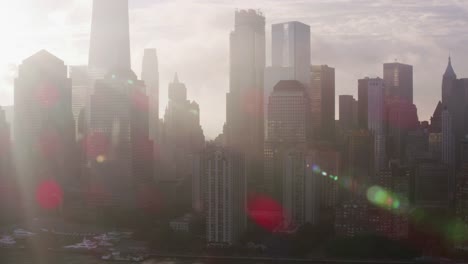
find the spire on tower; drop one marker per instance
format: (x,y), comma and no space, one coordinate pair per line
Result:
(176,78)
(449,72)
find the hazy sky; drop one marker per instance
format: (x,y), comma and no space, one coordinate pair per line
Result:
(192,38)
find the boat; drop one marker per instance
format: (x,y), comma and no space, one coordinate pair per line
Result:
(21,233)
(7,241)
(84,245)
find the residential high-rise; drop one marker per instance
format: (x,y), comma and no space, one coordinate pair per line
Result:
(182,135)
(348,119)
(117,147)
(288,128)
(110,37)
(244,102)
(398,79)
(150,75)
(291,49)
(44,124)
(226,196)
(322,101)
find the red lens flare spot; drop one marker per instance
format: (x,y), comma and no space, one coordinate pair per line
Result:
(49,195)
(265,211)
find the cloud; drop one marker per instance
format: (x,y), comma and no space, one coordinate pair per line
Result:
(192,38)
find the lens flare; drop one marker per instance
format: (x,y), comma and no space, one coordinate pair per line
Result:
(265,211)
(49,195)
(316,169)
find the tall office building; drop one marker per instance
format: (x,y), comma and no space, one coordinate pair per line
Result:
(448,82)
(182,134)
(398,79)
(110,37)
(402,117)
(376,120)
(244,102)
(226,196)
(150,75)
(288,128)
(44,123)
(348,117)
(322,101)
(291,49)
(117,146)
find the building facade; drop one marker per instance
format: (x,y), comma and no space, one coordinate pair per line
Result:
(322,101)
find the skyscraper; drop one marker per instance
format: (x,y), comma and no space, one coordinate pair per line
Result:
(110,37)
(117,146)
(226,196)
(80,96)
(150,75)
(398,79)
(401,118)
(44,124)
(288,128)
(322,101)
(328,158)
(291,49)
(432,184)
(244,102)
(448,82)
(376,120)
(182,134)
(300,199)
(363,101)
(448,141)
(348,119)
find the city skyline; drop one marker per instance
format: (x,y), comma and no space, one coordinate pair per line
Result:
(436,29)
